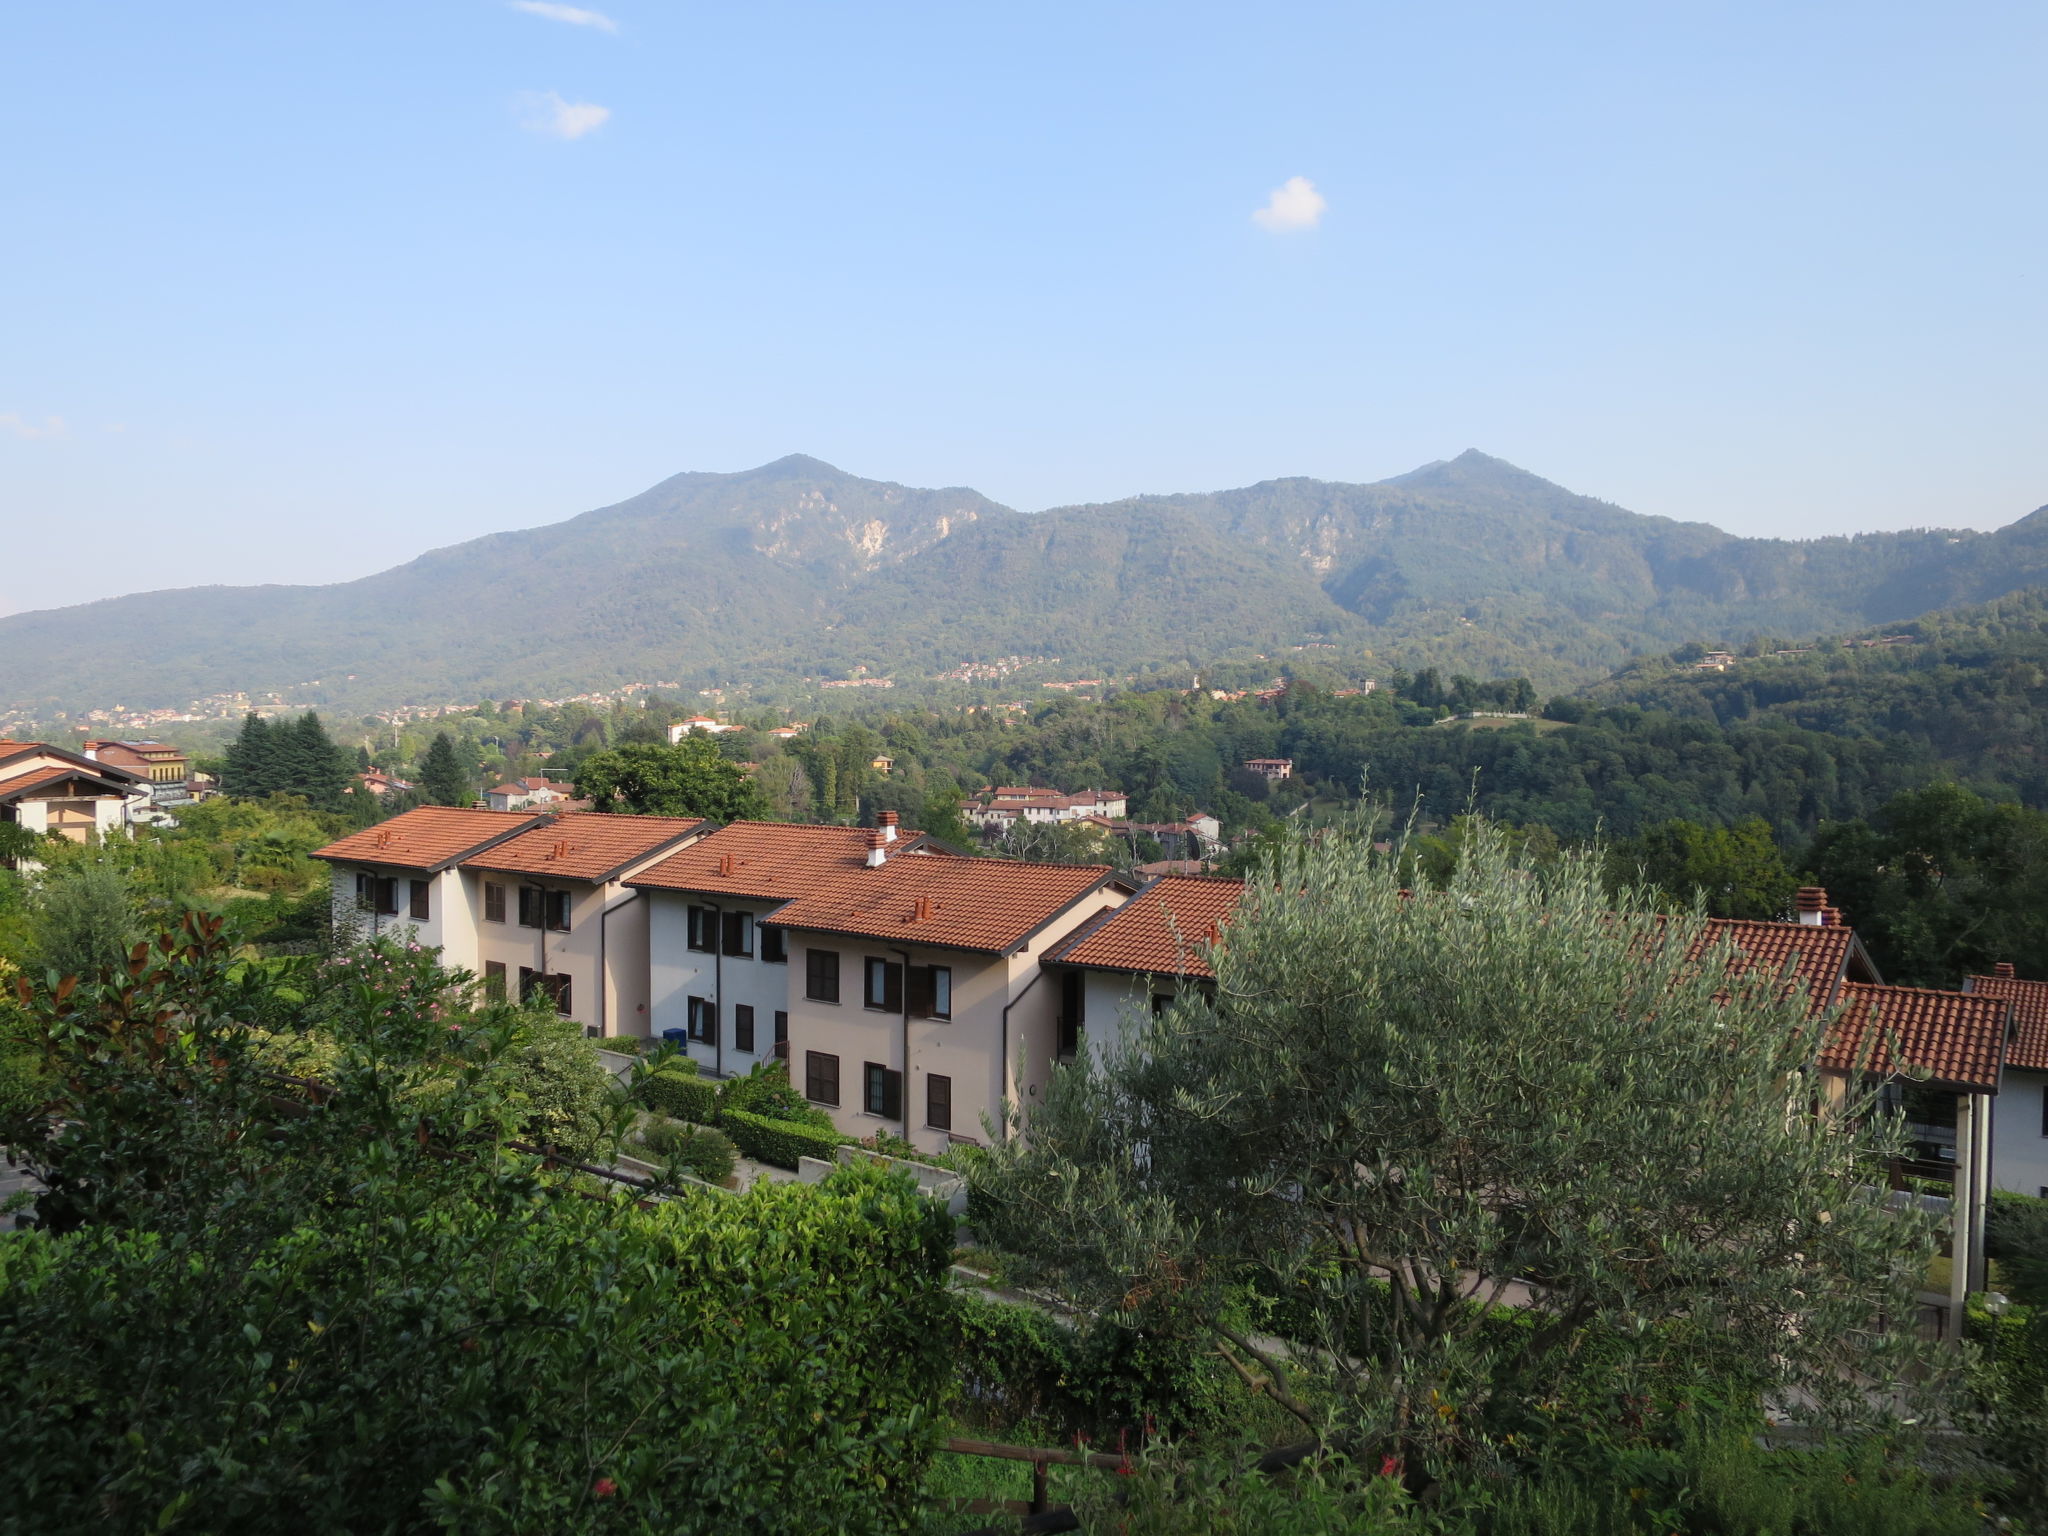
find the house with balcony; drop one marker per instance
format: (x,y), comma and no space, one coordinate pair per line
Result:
(166,769)
(717,975)
(533,903)
(50,789)
(2019,1122)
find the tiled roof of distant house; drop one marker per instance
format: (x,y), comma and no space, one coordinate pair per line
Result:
(1956,1038)
(991,905)
(584,845)
(428,838)
(1160,931)
(2029,1047)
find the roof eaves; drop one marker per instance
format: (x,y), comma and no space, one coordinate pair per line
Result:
(681,839)
(1022,944)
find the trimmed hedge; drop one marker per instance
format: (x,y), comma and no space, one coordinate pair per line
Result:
(680,1095)
(780,1142)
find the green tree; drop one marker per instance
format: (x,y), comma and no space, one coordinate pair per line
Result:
(1737,871)
(250,769)
(687,779)
(343,1306)
(1398,1107)
(441,777)
(83,918)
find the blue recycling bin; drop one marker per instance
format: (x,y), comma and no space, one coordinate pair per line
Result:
(676,1037)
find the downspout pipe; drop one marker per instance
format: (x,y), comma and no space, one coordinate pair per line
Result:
(904,996)
(1004,1080)
(718,988)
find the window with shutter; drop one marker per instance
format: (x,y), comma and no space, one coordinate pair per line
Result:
(422,900)
(938,1102)
(703,1016)
(558,911)
(494,902)
(387,897)
(703,928)
(494,979)
(739,933)
(931,991)
(885,985)
(883,1093)
(821,976)
(774,947)
(781,1035)
(529,906)
(821,1078)
(743,1026)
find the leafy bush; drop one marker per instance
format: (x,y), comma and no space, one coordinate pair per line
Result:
(766,1091)
(564,1091)
(682,1095)
(780,1142)
(694,1149)
(231,1334)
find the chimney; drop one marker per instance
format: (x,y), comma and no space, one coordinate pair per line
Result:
(2003,970)
(726,867)
(878,850)
(924,910)
(887,821)
(1812,906)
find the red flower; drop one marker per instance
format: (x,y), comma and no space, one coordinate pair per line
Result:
(1390,1466)
(604,1488)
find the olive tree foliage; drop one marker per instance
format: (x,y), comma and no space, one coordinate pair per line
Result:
(1461,1138)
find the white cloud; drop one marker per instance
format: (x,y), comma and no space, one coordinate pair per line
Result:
(1295,204)
(21,426)
(574,15)
(546,112)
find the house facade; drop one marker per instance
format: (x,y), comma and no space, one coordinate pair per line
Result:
(1119,969)
(2019,1122)
(527,794)
(50,789)
(534,904)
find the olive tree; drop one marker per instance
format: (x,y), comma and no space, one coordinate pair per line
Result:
(1452,1143)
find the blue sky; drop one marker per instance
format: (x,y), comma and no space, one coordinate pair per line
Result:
(296,291)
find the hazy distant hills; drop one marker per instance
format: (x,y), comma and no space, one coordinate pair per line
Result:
(797,569)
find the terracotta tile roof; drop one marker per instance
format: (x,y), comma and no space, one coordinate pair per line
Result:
(1818,955)
(1158,930)
(991,905)
(1956,1038)
(584,845)
(430,837)
(41,778)
(772,860)
(2029,1048)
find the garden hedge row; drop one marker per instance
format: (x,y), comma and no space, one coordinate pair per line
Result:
(680,1095)
(780,1142)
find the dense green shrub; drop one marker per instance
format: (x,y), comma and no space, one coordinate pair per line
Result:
(355,1310)
(697,1150)
(780,1142)
(682,1095)
(766,1091)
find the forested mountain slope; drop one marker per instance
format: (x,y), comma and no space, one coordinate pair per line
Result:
(797,569)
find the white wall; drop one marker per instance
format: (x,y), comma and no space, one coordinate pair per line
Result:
(1115,1004)
(676,973)
(2019,1152)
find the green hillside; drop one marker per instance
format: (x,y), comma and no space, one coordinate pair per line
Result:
(799,570)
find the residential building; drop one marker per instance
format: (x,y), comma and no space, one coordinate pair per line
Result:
(533,903)
(1271,769)
(525,794)
(166,769)
(718,976)
(2019,1123)
(1002,807)
(704,723)
(1126,964)
(883,764)
(917,1002)
(53,789)
(380,784)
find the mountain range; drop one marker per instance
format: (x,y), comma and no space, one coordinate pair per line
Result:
(799,570)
